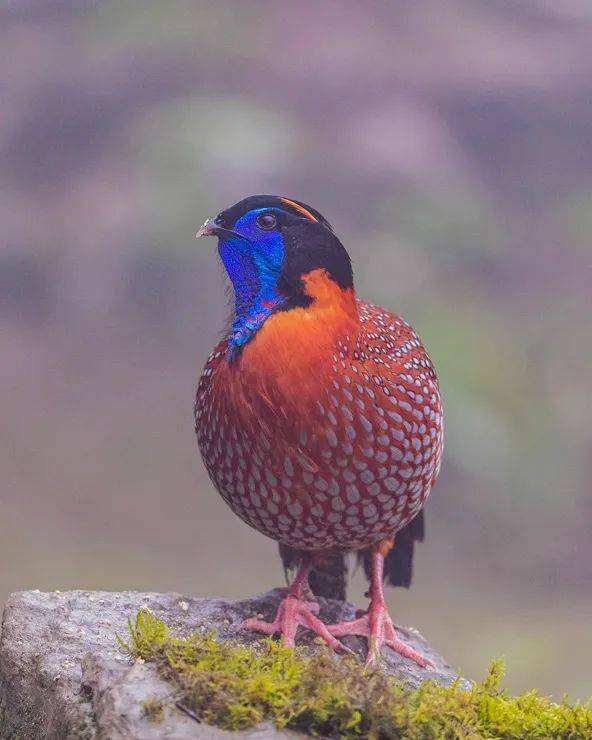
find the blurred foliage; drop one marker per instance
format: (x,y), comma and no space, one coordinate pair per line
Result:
(213,29)
(451,226)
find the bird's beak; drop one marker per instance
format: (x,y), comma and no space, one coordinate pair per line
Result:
(209,228)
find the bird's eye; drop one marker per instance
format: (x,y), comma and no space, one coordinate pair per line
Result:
(266,221)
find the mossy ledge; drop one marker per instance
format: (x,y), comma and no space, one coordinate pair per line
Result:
(238,687)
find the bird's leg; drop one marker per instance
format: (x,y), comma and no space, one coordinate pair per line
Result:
(376,623)
(296,609)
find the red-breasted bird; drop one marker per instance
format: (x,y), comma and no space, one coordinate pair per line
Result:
(318,416)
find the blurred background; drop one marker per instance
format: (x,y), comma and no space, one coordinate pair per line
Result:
(452,153)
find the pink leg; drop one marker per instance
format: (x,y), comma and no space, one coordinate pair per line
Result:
(296,610)
(376,623)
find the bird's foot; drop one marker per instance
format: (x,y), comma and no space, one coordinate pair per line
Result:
(292,613)
(377,625)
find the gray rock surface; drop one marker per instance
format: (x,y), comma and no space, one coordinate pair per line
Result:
(62,674)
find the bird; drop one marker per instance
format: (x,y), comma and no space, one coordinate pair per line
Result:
(318,417)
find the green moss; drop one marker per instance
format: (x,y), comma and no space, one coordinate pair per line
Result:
(236,687)
(153,709)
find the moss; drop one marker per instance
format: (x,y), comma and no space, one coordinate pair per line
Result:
(153,709)
(236,687)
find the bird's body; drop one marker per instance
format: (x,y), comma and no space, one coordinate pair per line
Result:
(318,416)
(325,442)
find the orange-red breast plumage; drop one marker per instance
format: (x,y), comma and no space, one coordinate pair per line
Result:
(327,432)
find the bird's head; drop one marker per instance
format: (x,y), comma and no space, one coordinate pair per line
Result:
(269,245)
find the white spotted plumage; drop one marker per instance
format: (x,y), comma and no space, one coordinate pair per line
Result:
(354,470)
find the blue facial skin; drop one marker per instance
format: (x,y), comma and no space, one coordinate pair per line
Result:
(253,264)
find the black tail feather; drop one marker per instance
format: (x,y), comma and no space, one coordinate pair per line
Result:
(329,578)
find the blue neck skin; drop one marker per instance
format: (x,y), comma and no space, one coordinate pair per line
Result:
(253,268)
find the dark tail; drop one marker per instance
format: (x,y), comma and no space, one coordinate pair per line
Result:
(329,578)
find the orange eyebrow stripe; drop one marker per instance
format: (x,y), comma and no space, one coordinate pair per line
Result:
(299,208)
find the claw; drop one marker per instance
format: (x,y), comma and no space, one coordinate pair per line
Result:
(294,612)
(377,625)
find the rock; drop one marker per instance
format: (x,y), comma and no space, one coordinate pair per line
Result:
(62,674)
